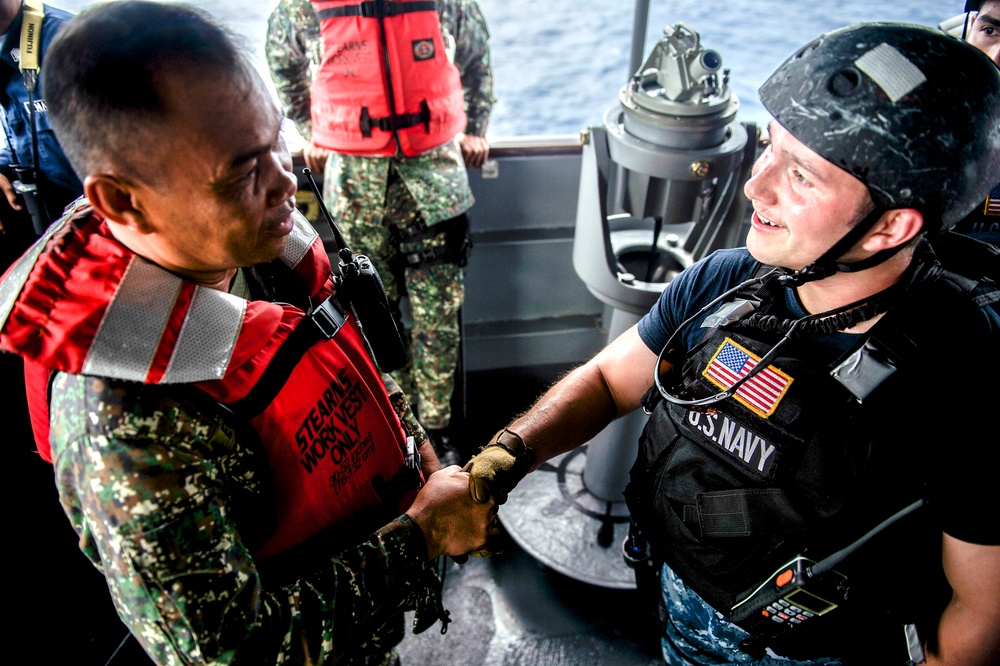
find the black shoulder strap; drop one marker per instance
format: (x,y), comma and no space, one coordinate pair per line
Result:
(322,323)
(936,297)
(968,256)
(377,9)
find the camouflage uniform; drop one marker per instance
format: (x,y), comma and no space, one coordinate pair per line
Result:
(370,195)
(170,496)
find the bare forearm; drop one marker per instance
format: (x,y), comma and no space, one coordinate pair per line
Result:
(969,630)
(586,400)
(569,414)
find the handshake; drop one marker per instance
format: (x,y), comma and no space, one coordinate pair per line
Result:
(493,472)
(497,468)
(444,512)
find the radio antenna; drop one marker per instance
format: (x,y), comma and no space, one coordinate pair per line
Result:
(831,561)
(339,237)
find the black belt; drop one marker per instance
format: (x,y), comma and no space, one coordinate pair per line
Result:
(377,9)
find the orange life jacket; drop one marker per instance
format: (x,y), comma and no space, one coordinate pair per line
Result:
(385,84)
(334,444)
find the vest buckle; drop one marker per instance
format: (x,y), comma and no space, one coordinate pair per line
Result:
(328,318)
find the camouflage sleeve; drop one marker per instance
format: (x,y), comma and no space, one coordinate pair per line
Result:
(167,501)
(401,404)
(465,21)
(293,48)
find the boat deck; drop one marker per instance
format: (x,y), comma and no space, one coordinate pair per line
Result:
(513,610)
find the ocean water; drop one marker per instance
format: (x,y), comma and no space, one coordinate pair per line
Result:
(558,64)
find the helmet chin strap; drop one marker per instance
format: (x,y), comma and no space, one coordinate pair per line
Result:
(828,263)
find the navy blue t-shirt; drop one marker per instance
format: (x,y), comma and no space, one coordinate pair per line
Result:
(698,286)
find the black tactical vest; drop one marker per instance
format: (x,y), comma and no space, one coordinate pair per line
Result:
(801,462)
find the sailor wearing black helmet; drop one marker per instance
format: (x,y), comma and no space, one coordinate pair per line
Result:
(816,474)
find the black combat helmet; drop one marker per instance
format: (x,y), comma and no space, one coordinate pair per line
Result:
(910,111)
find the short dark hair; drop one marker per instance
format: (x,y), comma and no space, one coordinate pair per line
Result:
(104,74)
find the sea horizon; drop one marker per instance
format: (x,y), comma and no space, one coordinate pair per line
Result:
(558,67)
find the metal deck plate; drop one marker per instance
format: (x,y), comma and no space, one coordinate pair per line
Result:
(553,517)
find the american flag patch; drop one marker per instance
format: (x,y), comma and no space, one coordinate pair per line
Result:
(993,202)
(762,392)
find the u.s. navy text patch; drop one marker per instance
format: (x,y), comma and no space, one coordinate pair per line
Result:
(746,448)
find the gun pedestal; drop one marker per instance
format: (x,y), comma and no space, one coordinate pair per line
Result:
(660,188)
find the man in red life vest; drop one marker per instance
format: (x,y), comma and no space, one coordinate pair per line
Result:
(222,442)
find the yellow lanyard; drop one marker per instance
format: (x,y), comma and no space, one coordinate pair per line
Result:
(31,38)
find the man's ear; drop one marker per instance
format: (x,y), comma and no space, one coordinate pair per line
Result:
(116,200)
(896,227)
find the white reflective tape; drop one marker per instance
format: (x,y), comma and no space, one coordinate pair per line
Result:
(299,241)
(207,338)
(891,71)
(133,324)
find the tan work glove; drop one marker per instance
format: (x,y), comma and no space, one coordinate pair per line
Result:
(496,469)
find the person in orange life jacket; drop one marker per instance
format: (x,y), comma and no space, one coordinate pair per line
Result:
(883,135)
(982,30)
(216,425)
(395,176)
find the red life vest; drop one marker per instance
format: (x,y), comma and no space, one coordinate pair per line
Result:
(385,84)
(331,436)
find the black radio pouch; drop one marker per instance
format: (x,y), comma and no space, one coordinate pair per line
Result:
(360,290)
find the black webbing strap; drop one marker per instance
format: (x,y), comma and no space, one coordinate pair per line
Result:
(968,256)
(320,324)
(377,9)
(828,263)
(395,122)
(426,257)
(916,321)
(456,248)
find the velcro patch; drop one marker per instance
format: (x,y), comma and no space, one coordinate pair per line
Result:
(891,71)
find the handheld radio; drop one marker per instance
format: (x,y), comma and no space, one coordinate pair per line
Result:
(360,289)
(800,590)
(792,595)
